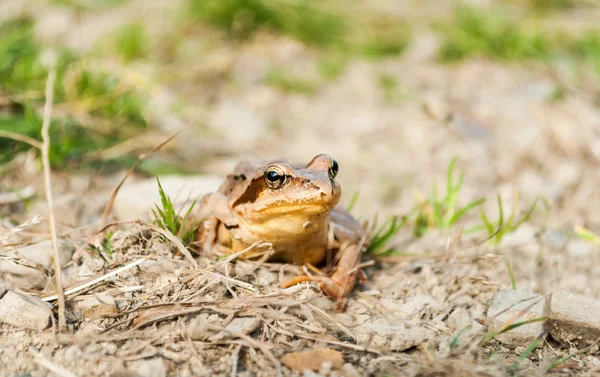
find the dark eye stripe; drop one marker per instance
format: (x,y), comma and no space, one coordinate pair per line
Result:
(255,188)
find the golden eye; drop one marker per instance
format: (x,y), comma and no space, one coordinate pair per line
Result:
(333,169)
(275,177)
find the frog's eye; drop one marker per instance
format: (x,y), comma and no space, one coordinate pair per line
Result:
(333,169)
(274,177)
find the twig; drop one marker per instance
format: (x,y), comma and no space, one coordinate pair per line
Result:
(142,157)
(44,362)
(97,280)
(48,189)
(20,137)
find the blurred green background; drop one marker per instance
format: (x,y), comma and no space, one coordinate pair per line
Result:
(114,66)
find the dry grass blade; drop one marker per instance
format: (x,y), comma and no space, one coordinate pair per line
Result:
(45,363)
(19,228)
(142,157)
(48,189)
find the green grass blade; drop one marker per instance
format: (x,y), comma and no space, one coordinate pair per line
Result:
(501,213)
(183,221)
(510,274)
(514,326)
(450,176)
(528,214)
(456,339)
(353,201)
(556,363)
(461,212)
(385,233)
(487,223)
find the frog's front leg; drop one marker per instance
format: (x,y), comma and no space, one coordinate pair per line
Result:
(342,281)
(212,209)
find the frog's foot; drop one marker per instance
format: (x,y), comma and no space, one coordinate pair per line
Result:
(333,288)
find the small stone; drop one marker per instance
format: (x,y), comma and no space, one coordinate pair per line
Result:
(575,318)
(238,325)
(151,368)
(555,239)
(313,360)
(350,371)
(24,312)
(513,306)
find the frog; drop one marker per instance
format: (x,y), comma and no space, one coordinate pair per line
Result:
(295,209)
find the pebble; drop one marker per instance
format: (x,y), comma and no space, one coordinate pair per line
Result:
(516,306)
(574,317)
(238,325)
(24,312)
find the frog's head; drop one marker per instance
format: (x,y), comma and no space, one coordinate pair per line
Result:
(282,189)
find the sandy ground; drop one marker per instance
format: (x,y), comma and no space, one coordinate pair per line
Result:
(497,119)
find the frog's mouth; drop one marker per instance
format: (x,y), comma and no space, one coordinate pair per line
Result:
(297,209)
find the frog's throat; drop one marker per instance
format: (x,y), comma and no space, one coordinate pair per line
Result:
(286,228)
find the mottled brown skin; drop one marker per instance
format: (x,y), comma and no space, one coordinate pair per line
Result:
(297,214)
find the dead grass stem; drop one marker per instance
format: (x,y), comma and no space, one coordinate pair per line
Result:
(49,199)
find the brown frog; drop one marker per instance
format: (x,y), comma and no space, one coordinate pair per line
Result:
(294,208)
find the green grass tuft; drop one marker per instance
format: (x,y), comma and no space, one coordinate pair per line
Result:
(546,5)
(287,83)
(587,49)
(443,212)
(304,20)
(389,86)
(477,32)
(167,218)
(332,65)
(383,37)
(381,236)
(498,229)
(132,42)
(98,110)
(91,5)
